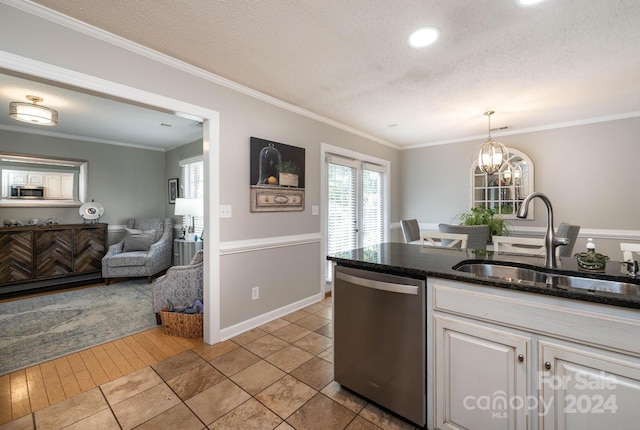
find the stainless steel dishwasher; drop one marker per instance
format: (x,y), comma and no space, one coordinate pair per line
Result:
(379,339)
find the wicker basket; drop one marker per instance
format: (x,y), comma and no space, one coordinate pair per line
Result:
(183,325)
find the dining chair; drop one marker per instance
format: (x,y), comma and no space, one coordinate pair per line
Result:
(518,245)
(444,240)
(410,230)
(477,235)
(628,249)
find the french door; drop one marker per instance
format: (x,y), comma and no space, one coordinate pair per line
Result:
(356,204)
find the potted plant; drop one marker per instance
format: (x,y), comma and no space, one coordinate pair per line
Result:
(483,215)
(288,174)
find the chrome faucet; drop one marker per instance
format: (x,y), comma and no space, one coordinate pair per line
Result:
(632,267)
(551,241)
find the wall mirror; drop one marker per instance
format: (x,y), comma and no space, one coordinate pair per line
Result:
(505,190)
(35,181)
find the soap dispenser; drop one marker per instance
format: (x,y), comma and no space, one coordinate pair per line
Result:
(591,260)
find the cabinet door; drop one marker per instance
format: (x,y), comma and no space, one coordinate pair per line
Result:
(52,186)
(586,388)
(35,178)
(5,184)
(16,256)
(89,246)
(481,376)
(17,177)
(66,186)
(54,256)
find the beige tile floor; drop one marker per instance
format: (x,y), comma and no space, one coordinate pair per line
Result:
(278,376)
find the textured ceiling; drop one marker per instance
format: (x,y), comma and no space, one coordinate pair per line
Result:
(561,61)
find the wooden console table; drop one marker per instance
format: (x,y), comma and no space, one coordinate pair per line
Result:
(47,255)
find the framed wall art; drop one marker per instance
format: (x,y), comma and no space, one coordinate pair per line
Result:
(277,176)
(173,190)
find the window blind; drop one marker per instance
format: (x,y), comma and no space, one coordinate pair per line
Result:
(192,187)
(372,205)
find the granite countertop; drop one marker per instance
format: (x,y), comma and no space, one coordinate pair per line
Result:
(416,261)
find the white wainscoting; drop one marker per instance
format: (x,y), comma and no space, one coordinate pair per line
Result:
(250,245)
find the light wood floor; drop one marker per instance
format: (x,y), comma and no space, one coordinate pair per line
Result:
(37,387)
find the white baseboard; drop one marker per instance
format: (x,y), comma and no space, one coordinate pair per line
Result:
(244,326)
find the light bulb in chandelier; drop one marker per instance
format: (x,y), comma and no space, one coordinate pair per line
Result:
(492,154)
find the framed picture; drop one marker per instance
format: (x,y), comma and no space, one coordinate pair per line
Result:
(173,190)
(277,176)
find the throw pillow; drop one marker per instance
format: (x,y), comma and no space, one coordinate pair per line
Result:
(138,240)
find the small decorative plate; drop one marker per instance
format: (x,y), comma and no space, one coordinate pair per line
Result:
(91,210)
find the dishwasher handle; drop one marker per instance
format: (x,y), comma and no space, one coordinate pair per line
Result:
(378,285)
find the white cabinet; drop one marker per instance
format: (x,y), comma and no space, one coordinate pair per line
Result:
(582,388)
(58,186)
(478,370)
(35,179)
(17,177)
(580,364)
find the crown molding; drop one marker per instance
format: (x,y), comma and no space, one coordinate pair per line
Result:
(555,126)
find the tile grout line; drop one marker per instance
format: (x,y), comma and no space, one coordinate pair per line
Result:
(265,333)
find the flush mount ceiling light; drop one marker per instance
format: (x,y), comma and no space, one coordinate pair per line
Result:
(492,154)
(528,2)
(423,37)
(33,113)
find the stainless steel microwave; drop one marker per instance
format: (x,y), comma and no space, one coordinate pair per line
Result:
(27,192)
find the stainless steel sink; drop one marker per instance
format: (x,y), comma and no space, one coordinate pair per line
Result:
(593,285)
(521,275)
(504,273)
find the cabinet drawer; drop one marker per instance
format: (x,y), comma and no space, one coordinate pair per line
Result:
(602,325)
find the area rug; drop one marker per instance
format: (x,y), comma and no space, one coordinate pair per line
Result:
(39,329)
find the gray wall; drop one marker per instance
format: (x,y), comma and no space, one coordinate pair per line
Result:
(589,172)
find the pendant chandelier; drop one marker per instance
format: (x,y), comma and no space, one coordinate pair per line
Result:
(32,112)
(493,154)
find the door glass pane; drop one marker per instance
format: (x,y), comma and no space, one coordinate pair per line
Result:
(342,215)
(372,208)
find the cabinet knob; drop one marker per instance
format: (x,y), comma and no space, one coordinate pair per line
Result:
(547,365)
(520,358)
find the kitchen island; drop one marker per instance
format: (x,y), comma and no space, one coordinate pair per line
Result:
(510,353)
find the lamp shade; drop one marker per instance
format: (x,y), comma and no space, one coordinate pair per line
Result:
(191,207)
(33,113)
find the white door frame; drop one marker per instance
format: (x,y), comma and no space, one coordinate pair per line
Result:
(325,149)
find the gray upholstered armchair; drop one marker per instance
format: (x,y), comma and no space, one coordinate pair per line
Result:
(181,285)
(145,250)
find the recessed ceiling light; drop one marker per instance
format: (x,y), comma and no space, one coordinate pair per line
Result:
(423,37)
(528,2)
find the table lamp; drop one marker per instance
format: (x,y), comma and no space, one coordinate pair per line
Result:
(190,208)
